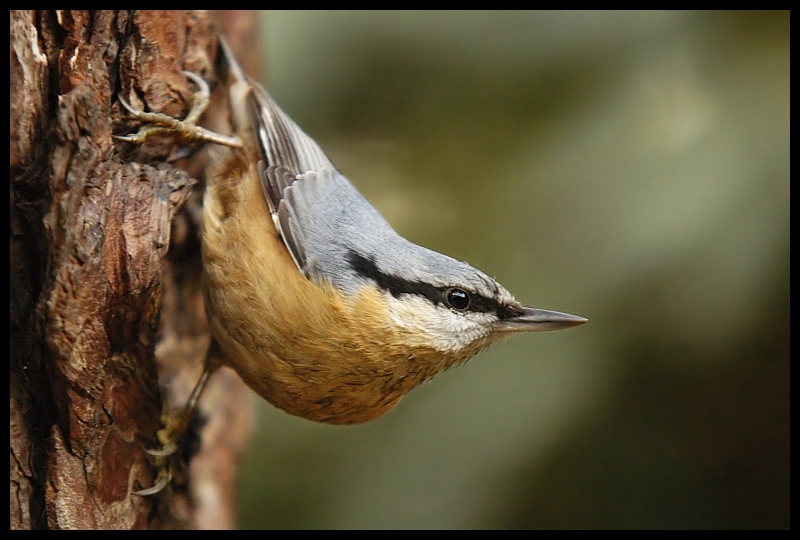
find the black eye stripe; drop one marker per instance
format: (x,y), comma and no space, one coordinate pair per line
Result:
(437,295)
(395,285)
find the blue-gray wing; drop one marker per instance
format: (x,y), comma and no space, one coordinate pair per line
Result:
(319,214)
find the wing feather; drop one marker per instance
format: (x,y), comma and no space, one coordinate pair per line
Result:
(287,155)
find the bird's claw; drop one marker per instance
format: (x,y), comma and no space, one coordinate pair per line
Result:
(158,124)
(162,481)
(175,427)
(176,424)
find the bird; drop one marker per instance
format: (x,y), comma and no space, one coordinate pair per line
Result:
(312,297)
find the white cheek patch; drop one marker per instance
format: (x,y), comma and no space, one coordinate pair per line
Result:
(437,326)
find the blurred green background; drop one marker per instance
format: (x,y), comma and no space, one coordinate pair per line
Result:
(630,167)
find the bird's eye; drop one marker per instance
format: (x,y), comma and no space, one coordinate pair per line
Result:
(457,299)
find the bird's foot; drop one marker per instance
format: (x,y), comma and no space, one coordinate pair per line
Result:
(186,130)
(176,424)
(171,437)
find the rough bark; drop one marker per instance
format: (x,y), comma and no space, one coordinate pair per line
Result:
(105,273)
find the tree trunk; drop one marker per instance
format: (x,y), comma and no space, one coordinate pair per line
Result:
(107,319)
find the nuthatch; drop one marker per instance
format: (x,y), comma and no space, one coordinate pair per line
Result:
(312,298)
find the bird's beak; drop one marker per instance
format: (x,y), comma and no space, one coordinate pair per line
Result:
(539,320)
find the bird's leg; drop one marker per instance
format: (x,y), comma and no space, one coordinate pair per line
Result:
(175,426)
(185,130)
